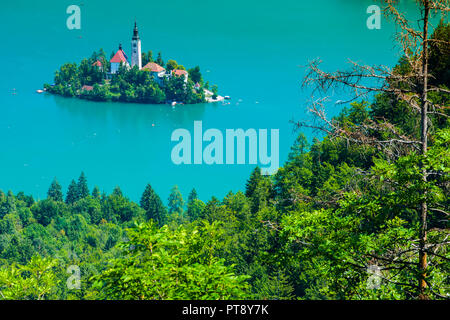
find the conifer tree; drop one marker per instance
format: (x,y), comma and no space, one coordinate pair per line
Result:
(2,197)
(147,57)
(72,193)
(261,195)
(211,211)
(29,200)
(117,192)
(176,202)
(194,206)
(192,195)
(153,206)
(96,193)
(83,190)
(159,60)
(252,182)
(10,202)
(299,148)
(55,191)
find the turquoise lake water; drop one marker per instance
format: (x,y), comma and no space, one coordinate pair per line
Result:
(253,50)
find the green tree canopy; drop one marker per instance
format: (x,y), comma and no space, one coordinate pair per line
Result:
(161,264)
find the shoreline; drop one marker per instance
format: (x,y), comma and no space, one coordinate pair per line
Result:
(209,94)
(208,99)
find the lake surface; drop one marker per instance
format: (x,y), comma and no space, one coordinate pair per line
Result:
(253,50)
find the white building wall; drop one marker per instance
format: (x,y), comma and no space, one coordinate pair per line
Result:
(136,54)
(114,67)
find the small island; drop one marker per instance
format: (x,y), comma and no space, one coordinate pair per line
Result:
(141,80)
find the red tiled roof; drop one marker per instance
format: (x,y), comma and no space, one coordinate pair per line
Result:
(153,67)
(180,72)
(97,63)
(87,88)
(120,56)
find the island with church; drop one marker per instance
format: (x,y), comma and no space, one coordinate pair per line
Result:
(142,79)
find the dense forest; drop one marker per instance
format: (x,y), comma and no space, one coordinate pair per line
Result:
(128,84)
(342,219)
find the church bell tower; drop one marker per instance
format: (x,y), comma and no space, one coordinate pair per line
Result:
(136,57)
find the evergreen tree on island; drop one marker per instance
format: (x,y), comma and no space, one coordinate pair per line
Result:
(159,59)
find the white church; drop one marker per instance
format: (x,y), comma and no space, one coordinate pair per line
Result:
(156,70)
(121,58)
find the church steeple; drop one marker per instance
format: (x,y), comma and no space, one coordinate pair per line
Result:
(136,57)
(135,32)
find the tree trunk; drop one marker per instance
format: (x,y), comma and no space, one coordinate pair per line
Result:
(424,140)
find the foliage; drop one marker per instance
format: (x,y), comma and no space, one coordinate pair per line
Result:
(33,281)
(164,264)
